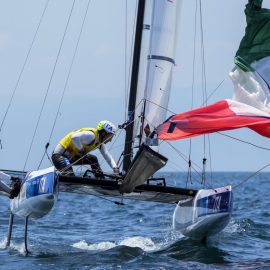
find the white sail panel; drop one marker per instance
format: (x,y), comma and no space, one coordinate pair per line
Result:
(160,65)
(143,67)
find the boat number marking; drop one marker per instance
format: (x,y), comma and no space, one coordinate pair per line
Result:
(216,205)
(42,184)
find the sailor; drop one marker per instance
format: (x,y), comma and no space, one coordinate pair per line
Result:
(15,187)
(74,149)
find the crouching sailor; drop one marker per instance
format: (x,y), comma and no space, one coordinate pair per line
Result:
(15,187)
(74,149)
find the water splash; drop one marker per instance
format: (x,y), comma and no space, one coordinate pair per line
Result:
(143,243)
(238,226)
(17,247)
(97,246)
(3,243)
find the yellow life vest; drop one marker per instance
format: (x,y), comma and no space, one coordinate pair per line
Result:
(67,143)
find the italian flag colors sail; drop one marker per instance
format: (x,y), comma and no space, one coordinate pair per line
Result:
(250,105)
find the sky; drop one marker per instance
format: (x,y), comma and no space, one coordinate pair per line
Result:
(98,79)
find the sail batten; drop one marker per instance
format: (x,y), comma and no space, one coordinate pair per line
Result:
(161,57)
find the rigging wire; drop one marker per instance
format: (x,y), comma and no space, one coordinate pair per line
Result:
(212,93)
(67,78)
(198,174)
(162,107)
(226,135)
(125,71)
(194,54)
(109,200)
(126,124)
(172,112)
(250,176)
(23,66)
(185,158)
(112,147)
(49,85)
(130,61)
(246,142)
(202,54)
(204,87)
(210,159)
(231,137)
(77,161)
(203,70)
(192,87)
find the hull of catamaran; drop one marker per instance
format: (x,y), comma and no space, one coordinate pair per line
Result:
(206,214)
(38,194)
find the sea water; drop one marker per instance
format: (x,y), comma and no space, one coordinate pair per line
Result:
(87,232)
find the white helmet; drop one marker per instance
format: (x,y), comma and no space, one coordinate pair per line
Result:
(108,126)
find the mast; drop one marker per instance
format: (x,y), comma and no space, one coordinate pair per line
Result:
(133,86)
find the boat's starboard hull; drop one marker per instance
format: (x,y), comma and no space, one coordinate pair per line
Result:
(205,215)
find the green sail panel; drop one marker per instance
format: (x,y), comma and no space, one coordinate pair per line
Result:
(255,44)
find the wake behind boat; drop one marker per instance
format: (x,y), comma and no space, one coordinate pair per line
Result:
(198,214)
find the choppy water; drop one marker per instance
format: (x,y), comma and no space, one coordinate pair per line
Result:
(84,232)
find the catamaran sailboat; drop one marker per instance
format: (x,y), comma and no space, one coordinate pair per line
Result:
(199,213)
(149,93)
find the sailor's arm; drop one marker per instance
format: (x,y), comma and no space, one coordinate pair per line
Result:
(107,156)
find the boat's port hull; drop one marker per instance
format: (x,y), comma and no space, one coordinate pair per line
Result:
(34,207)
(38,194)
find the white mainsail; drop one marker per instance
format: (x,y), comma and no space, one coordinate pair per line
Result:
(143,66)
(160,65)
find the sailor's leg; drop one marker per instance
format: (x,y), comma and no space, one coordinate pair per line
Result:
(93,162)
(204,240)
(62,164)
(15,189)
(25,235)
(10,226)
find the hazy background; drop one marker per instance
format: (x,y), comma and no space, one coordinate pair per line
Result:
(96,88)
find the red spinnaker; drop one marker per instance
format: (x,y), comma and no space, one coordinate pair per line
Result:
(223,115)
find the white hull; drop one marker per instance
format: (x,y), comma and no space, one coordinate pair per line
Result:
(38,195)
(35,207)
(205,215)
